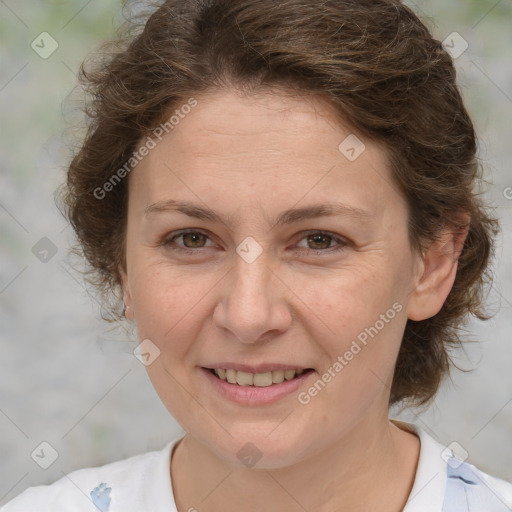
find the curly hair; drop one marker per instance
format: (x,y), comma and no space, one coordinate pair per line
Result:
(374,61)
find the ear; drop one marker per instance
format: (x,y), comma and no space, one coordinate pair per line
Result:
(127,297)
(436,272)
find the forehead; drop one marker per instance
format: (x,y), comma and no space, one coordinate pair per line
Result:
(268,150)
(266,122)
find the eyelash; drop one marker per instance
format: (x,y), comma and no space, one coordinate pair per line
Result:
(186,250)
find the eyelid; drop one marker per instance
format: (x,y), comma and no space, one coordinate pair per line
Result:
(343,242)
(167,239)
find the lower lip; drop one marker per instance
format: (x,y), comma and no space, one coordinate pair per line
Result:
(254,395)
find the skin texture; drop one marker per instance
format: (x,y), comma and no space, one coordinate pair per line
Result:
(249,158)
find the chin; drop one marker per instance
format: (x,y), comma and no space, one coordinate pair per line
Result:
(258,448)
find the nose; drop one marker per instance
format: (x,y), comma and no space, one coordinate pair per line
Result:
(253,305)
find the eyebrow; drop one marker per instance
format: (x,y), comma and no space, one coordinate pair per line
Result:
(287,217)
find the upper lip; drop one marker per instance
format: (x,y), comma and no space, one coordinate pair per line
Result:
(257,368)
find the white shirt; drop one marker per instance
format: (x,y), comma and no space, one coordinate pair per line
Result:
(143,484)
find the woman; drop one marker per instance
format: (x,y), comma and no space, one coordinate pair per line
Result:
(282,195)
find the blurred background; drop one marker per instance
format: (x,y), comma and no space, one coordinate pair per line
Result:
(65,378)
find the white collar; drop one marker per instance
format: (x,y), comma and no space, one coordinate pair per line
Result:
(159,495)
(427,494)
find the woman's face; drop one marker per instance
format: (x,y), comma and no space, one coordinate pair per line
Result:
(266,281)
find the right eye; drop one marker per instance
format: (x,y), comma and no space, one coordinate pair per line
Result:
(193,240)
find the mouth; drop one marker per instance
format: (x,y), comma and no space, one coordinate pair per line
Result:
(261,380)
(255,389)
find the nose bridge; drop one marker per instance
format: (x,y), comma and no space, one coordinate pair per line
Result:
(253,302)
(251,279)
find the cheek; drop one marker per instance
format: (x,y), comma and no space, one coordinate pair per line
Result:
(359,358)
(166,300)
(350,300)
(359,317)
(172,301)
(167,306)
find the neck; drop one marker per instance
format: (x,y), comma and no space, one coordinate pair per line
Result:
(371,468)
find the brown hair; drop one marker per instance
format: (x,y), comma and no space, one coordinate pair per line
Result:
(374,61)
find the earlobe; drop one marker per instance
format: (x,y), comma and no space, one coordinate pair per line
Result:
(437,273)
(127,298)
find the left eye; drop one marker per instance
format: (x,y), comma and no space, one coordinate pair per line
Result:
(320,240)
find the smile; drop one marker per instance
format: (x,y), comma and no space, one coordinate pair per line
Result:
(256,379)
(255,388)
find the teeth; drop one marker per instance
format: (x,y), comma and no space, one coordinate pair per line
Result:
(261,380)
(289,374)
(277,376)
(244,378)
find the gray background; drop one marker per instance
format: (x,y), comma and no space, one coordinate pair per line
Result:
(65,379)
